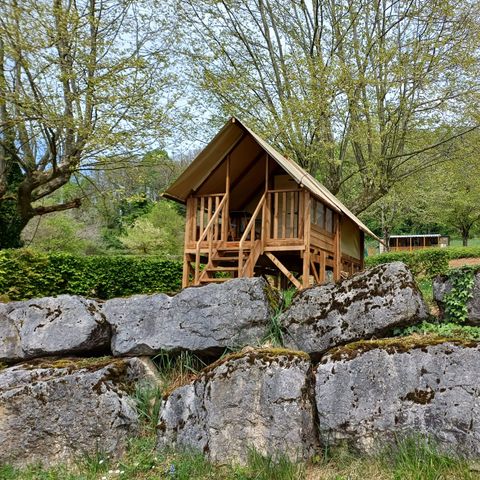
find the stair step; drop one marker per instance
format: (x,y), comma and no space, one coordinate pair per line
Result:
(221,269)
(229,259)
(214,280)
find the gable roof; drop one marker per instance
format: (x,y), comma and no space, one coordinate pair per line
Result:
(224,142)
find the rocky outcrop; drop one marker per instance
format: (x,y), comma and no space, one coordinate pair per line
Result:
(370,393)
(442,286)
(260,399)
(55,411)
(372,303)
(199,319)
(51,326)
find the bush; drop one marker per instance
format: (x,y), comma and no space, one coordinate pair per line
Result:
(431,262)
(27,274)
(462,252)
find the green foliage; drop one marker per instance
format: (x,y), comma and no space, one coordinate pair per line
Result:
(463,252)
(463,280)
(158,232)
(410,459)
(444,329)
(417,458)
(429,262)
(27,274)
(60,232)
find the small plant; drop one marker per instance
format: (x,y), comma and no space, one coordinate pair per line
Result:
(444,329)
(463,280)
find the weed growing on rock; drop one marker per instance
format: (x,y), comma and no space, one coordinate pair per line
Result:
(275,331)
(446,329)
(463,280)
(147,398)
(177,370)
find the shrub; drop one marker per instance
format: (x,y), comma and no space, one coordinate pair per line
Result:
(27,274)
(431,262)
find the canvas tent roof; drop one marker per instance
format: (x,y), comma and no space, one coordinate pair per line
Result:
(223,143)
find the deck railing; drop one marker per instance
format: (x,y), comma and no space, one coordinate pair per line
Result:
(204,207)
(284,207)
(249,234)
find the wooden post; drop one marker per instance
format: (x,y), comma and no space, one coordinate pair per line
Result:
(306,230)
(362,250)
(323,265)
(338,250)
(266,210)
(226,210)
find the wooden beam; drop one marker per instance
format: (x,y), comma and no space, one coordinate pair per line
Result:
(283,269)
(226,212)
(338,250)
(362,250)
(186,270)
(307,225)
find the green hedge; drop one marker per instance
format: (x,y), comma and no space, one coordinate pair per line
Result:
(463,252)
(429,262)
(28,274)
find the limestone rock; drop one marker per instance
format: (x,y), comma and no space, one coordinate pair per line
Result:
(204,319)
(55,411)
(66,324)
(261,399)
(371,303)
(371,393)
(442,286)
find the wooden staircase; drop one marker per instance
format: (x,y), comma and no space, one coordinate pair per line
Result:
(223,266)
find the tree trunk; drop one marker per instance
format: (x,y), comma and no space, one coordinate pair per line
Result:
(11,224)
(465,235)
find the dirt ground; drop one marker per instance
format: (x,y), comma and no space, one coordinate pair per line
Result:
(459,262)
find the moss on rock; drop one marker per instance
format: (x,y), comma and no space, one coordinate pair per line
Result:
(393,345)
(250,354)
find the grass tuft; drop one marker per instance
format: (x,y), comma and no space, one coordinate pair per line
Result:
(275,331)
(419,458)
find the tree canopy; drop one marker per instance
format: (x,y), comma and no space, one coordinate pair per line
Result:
(361,94)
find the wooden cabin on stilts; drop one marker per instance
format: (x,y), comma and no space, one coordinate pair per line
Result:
(253,212)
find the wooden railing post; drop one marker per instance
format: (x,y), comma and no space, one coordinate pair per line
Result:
(247,232)
(208,232)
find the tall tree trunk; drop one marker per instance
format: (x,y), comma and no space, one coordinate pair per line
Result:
(11,224)
(465,236)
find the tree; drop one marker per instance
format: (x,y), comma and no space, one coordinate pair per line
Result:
(362,94)
(457,197)
(82,86)
(159,232)
(443,200)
